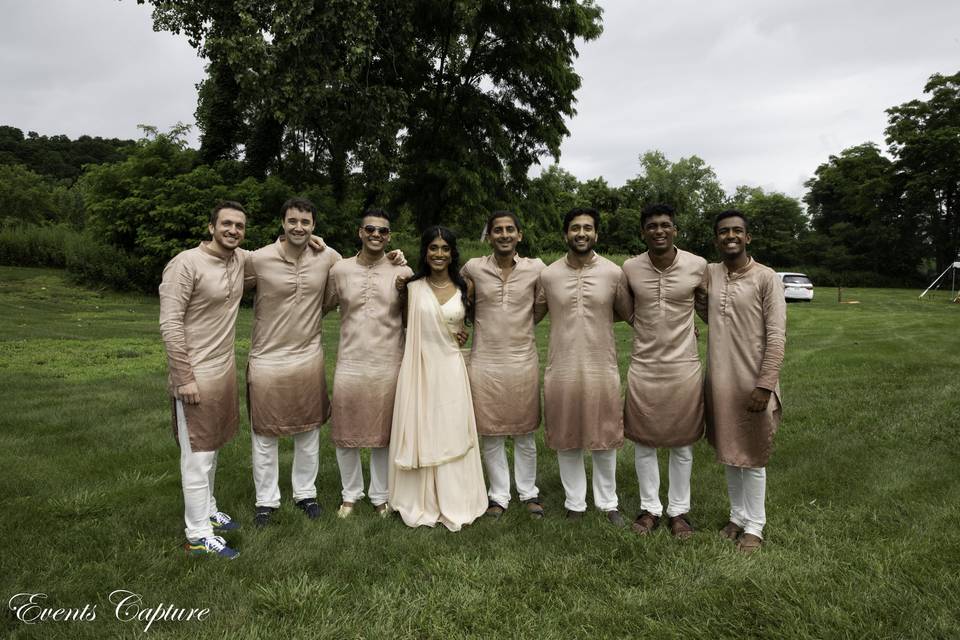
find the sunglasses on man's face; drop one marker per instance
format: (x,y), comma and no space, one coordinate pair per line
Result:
(382,230)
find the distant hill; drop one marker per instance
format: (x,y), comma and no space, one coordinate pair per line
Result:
(58,156)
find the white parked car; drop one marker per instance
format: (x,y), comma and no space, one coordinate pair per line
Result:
(796,286)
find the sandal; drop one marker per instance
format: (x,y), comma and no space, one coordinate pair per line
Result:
(731,531)
(680,526)
(645,523)
(749,543)
(494,510)
(534,507)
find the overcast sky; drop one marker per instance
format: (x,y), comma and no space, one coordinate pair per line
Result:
(762,91)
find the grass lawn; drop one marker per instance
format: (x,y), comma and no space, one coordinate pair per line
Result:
(862,502)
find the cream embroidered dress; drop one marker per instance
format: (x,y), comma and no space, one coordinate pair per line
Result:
(435,470)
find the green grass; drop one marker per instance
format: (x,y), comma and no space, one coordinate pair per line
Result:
(862,534)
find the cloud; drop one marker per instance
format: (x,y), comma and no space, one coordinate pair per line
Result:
(762,91)
(92,67)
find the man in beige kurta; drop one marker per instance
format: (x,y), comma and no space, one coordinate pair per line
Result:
(199,300)
(664,399)
(504,363)
(747,336)
(286,383)
(368,360)
(584,294)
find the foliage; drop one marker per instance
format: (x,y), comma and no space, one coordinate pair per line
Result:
(156,202)
(548,197)
(778,226)
(456,99)
(24,196)
(924,138)
(57,157)
(855,210)
(86,259)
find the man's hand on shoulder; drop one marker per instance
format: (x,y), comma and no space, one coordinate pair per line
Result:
(397,258)
(188,393)
(316,243)
(759,399)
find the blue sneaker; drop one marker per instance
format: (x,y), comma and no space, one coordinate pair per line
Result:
(222,523)
(213,545)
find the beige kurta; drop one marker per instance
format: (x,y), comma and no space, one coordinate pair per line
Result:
(581,384)
(286,383)
(664,399)
(435,470)
(503,360)
(199,300)
(747,334)
(371,347)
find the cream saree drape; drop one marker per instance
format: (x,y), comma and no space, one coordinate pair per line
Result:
(435,469)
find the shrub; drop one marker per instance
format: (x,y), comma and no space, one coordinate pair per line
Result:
(86,259)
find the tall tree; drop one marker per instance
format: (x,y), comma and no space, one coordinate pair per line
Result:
(924,137)
(854,205)
(457,98)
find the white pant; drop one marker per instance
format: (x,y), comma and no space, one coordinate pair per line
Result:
(648,477)
(573,476)
(747,488)
(351,474)
(266,467)
(197,471)
(498,472)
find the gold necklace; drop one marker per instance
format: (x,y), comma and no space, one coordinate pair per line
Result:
(438,286)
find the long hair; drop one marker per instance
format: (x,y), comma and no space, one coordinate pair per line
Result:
(453,269)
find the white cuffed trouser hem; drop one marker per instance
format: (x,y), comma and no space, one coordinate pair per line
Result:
(197,472)
(351,474)
(648,479)
(498,471)
(747,489)
(573,476)
(266,467)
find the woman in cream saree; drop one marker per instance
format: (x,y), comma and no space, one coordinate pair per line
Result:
(435,470)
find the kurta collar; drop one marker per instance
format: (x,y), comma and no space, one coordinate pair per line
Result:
(205,247)
(742,271)
(593,261)
(492,259)
(283,254)
(676,259)
(372,264)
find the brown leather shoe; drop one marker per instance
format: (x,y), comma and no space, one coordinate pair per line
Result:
(680,526)
(731,531)
(645,523)
(749,543)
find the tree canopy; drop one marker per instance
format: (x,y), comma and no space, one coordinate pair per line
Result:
(455,99)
